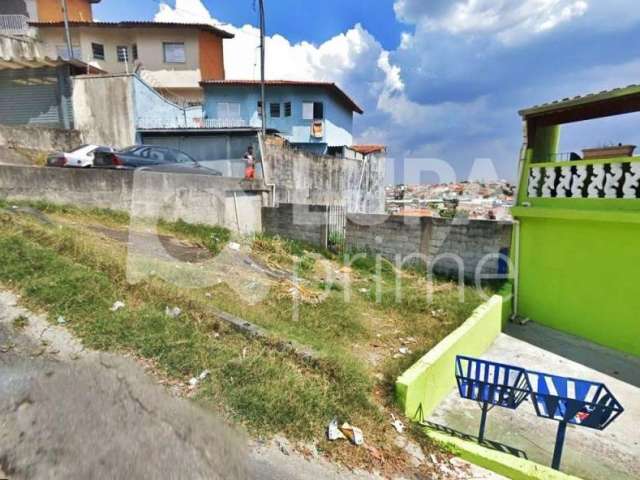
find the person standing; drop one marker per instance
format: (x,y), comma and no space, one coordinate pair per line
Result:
(250,164)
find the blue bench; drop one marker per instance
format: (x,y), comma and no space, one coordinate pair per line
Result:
(567,400)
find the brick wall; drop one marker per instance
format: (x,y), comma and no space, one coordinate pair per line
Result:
(307,223)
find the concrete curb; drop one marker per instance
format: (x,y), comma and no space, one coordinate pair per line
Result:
(499,462)
(421,388)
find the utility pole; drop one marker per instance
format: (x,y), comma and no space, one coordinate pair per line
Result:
(262,70)
(63,4)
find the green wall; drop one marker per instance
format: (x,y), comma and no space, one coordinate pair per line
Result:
(420,389)
(582,276)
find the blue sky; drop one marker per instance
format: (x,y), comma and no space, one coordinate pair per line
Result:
(437,78)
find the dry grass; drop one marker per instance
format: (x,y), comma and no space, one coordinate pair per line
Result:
(72,271)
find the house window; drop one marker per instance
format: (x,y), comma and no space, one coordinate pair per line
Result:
(134,51)
(312,111)
(98,51)
(174,53)
(318,111)
(259,108)
(275,110)
(228,110)
(123,53)
(287,109)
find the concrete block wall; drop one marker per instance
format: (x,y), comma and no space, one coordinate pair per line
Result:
(39,138)
(307,223)
(447,246)
(202,199)
(303,178)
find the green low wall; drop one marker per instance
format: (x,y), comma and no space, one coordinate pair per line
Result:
(420,389)
(499,462)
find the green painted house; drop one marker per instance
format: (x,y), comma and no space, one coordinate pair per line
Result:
(577,235)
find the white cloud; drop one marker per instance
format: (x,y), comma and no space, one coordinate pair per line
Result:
(334,60)
(510,21)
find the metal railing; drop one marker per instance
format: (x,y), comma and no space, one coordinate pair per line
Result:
(14,24)
(147,123)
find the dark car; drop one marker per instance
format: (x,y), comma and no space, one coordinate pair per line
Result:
(151,158)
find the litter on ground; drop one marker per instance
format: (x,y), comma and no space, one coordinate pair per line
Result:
(61,320)
(117,306)
(174,312)
(354,434)
(333,432)
(234,246)
(397,424)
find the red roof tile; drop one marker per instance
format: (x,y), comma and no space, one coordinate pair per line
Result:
(139,24)
(368,149)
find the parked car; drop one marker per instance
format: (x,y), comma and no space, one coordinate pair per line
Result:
(152,158)
(80,157)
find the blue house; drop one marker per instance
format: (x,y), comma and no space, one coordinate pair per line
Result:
(310,115)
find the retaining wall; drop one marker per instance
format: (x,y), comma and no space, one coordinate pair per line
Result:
(420,389)
(449,247)
(39,138)
(193,198)
(303,178)
(307,223)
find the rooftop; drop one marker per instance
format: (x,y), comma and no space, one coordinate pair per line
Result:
(368,149)
(585,107)
(139,24)
(331,87)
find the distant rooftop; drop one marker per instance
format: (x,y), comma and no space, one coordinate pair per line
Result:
(585,107)
(368,149)
(331,87)
(139,24)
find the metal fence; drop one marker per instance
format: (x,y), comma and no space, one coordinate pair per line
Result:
(188,122)
(336,228)
(14,24)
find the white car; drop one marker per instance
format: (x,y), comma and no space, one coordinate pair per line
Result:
(81,157)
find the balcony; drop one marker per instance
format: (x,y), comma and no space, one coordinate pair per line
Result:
(14,24)
(604,178)
(189,122)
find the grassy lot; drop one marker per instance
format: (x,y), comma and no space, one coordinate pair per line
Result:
(67,269)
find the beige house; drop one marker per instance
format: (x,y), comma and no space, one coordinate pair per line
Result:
(172,57)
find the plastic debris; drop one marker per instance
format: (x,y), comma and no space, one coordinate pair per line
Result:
(234,246)
(354,434)
(208,295)
(193,382)
(117,306)
(61,320)
(333,432)
(364,290)
(397,424)
(174,312)
(404,350)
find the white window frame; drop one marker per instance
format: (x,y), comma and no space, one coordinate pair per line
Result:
(307,110)
(173,57)
(125,49)
(226,110)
